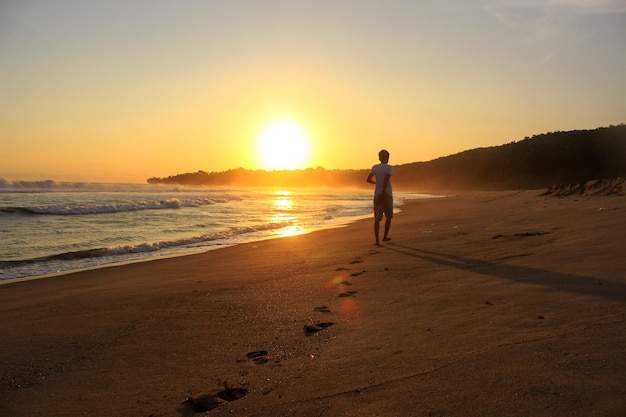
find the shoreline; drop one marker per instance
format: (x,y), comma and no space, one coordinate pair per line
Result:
(152,226)
(345,222)
(493,303)
(333,223)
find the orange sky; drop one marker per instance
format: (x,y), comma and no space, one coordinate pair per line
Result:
(121,91)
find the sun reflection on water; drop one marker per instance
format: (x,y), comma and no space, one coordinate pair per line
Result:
(283,201)
(284,213)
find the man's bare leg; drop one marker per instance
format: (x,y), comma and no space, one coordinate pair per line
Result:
(386,238)
(376,230)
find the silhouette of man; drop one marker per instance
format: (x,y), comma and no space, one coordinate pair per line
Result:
(383,195)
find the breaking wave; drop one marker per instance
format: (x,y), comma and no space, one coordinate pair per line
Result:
(69,210)
(194,241)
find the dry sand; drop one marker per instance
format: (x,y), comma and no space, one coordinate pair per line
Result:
(490,304)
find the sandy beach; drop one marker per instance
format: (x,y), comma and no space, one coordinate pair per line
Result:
(483,304)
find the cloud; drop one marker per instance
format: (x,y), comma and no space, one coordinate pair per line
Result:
(544,23)
(558,6)
(518,12)
(588,6)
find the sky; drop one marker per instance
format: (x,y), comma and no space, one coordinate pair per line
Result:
(124,90)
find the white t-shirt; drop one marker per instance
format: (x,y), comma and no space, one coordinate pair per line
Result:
(380,171)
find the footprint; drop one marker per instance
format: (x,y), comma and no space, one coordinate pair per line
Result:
(342,269)
(317,327)
(347,294)
(208,402)
(322,309)
(356,260)
(202,404)
(527,234)
(356,274)
(520,235)
(232,394)
(257,357)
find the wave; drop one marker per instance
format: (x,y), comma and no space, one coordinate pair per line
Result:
(7,185)
(51,186)
(196,241)
(69,210)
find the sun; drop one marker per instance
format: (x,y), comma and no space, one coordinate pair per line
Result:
(283,144)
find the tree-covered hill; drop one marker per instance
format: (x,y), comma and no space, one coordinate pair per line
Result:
(536,162)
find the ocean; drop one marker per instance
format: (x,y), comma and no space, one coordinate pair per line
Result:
(49,228)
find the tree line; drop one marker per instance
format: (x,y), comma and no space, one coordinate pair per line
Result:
(534,162)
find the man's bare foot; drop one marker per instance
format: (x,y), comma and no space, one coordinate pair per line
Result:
(386,239)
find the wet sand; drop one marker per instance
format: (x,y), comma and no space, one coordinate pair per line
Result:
(486,304)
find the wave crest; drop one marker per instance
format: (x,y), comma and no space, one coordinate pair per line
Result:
(70,210)
(147,247)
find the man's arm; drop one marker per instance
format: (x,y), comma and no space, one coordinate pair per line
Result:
(369,178)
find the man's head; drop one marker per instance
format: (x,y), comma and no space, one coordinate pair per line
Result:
(383,156)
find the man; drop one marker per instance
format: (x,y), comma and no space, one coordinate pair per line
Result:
(383,195)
